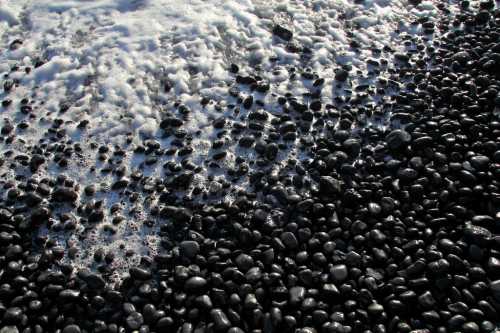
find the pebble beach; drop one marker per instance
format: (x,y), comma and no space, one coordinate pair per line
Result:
(254,166)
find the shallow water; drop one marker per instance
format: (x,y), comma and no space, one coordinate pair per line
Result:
(109,62)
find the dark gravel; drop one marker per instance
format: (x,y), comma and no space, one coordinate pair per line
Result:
(377,230)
